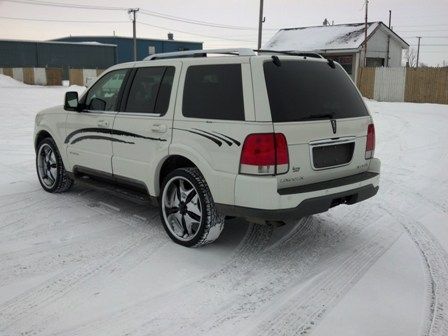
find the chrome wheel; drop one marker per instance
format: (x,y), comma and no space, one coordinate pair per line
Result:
(181,208)
(47,165)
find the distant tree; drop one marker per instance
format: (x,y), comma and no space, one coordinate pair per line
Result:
(410,57)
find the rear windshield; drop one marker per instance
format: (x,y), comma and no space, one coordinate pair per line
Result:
(307,90)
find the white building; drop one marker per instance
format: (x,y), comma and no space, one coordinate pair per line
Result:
(344,44)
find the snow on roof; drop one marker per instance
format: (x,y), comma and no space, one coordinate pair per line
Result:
(342,36)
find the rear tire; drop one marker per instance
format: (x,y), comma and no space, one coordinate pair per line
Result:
(187,209)
(50,169)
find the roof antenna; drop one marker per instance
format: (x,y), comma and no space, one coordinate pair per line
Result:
(331,63)
(276,60)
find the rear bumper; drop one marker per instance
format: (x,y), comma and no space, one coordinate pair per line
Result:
(259,200)
(307,207)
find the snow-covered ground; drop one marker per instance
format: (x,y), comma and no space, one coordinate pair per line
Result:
(88,263)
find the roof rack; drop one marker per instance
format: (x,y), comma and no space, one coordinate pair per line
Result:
(292,53)
(202,53)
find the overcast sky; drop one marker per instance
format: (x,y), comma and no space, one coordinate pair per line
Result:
(410,18)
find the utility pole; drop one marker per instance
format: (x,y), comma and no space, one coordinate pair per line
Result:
(418,50)
(366,4)
(134,30)
(388,40)
(261,19)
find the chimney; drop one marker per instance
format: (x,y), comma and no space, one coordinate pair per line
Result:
(170,36)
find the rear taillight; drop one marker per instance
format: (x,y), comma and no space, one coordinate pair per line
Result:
(370,144)
(264,154)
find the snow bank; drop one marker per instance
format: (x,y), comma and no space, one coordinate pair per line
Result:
(8,82)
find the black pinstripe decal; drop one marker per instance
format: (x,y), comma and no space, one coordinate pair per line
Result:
(99,137)
(236,142)
(216,136)
(215,140)
(108,131)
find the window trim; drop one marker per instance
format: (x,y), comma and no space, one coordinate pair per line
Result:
(83,99)
(127,90)
(181,97)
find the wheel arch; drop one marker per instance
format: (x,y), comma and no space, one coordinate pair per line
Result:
(169,164)
(221,184)
(44,132)
(40,135)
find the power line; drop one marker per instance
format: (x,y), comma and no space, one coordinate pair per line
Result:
(65,5)
(55,20)
(421,30)
(426,36)
(197,22)
(431,45)
(195,34)
(142,11)
(108,22)
(424,25)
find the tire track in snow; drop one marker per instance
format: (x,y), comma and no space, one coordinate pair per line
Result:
(58,286)
(308,305)
(64,282)
(110,272)
(435,259)
(256,239)
(287,262)
(297,268)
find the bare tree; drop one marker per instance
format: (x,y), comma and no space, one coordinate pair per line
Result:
(410,57)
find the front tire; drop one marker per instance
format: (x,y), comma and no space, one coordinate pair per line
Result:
(50,169)
(187,209)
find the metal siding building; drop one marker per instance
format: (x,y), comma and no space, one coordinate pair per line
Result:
(33,54)
(144,46)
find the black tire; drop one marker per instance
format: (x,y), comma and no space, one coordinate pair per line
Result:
(62,182)
(211,224)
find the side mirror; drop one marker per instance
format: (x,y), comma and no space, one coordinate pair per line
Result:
(97,104)
(71,101)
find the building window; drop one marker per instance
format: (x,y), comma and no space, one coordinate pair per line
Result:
(375,62)
(346,61)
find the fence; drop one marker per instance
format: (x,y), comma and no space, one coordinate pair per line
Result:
(83,76)
(51,76)
(424,85)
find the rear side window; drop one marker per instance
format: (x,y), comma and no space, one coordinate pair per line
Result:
(307,90)
(214,92)
(150,90)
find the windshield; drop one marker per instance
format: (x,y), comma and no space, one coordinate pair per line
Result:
(308,90)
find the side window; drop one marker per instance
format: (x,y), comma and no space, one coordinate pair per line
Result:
(104,94)
(214,92)
(150,91)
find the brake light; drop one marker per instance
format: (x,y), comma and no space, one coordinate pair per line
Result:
(370,143)
(264,154)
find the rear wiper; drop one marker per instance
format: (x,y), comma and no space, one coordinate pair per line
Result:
(319,116)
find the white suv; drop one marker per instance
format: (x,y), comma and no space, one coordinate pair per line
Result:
(267,136)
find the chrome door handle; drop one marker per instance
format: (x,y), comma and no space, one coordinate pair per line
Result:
(102,123)
(158,128)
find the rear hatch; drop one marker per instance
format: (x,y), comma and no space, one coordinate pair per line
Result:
(323,117)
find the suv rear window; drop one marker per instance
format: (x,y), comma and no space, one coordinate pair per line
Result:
(214,92)
(308,90)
